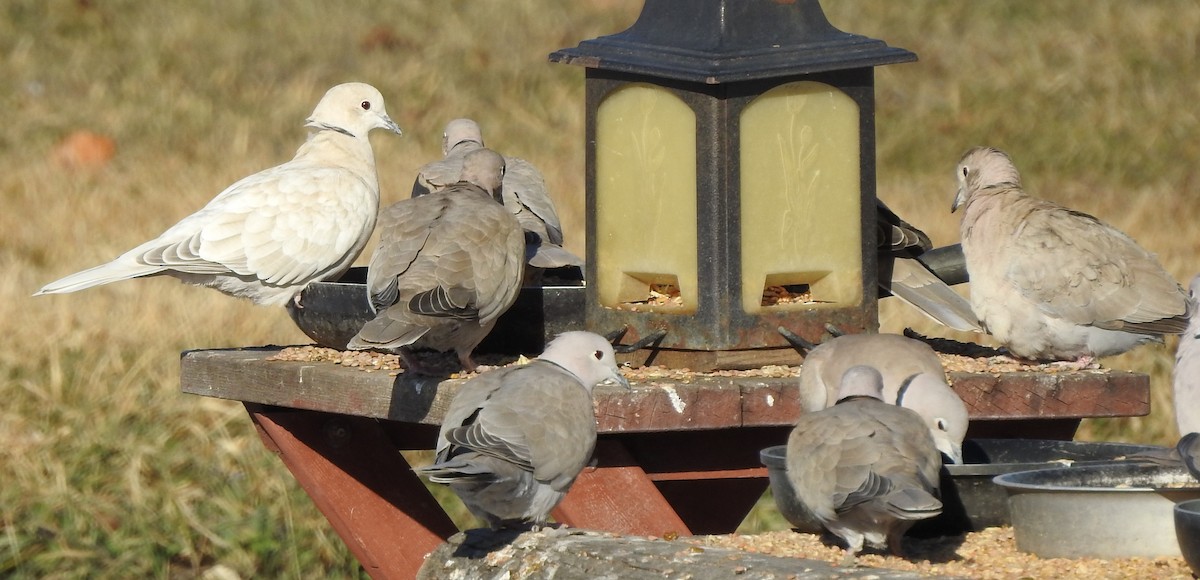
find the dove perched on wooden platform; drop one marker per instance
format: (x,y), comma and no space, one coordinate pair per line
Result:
(269,235)
(447,266)
(1186,380)
(524,191)
(1051,283)
(866,469)
(896,357)
(912,376)
(515,438)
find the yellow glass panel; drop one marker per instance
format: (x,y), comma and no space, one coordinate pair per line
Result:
(801,197)
(646,201)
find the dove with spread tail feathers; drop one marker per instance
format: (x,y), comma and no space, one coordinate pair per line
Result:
(524,193)
(912,377)
(866,469)
(447,266)
(1050,283)
(515,438)
(902,274)
(269,235)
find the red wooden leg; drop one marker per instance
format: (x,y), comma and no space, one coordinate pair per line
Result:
(712,479)
(617,496)
(362,485)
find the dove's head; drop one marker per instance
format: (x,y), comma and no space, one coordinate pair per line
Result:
(860,381)
(353,109)
(485,168)
(461,131)
(983,167)
(587,355)
(940,407)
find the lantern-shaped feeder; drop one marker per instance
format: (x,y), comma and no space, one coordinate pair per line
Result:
(730,178)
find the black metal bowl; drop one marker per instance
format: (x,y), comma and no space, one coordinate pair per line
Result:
(1187,532)
(333,312)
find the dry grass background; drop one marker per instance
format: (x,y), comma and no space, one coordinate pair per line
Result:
(108,471)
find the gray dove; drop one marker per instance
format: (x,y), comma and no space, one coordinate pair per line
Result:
(515,438)
(867,470)
(1186,381)
(524,191)
(899,244)
(269,235)
(1052,283)
(940,408)
(913,378)
(447,266)
(897,357)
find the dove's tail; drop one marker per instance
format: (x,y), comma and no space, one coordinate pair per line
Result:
(913,283)
(457,471)
(103,274)
(912,503)
(385,332)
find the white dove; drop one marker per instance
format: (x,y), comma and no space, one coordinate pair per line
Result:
(269,235)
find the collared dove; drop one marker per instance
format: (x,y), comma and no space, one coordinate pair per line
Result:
(896,357)
(1186,381)
(867,470)
(269,235)
(447,266)
(524,191)
(515,438)
(899,244)
(1051,283)
(912,376)
(940,408)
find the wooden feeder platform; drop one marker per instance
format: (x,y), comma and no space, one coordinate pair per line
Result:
(666,448)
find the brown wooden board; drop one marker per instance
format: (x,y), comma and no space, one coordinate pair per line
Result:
(699,403)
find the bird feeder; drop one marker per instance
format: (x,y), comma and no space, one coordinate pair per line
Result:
(730,174)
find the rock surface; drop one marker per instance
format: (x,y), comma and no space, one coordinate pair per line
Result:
(567,554)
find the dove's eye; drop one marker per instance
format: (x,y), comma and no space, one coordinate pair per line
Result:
(598,354)
(366,105)
(964,169)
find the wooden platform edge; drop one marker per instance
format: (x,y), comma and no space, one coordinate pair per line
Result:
(653,404)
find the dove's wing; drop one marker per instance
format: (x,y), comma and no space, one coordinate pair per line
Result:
(1078,268)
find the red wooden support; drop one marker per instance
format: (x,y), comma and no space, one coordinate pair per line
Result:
(362,485)
(617,496)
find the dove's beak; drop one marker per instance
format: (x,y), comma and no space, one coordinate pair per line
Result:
(959,199)
(390,125)
(950,449)
(619,379)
